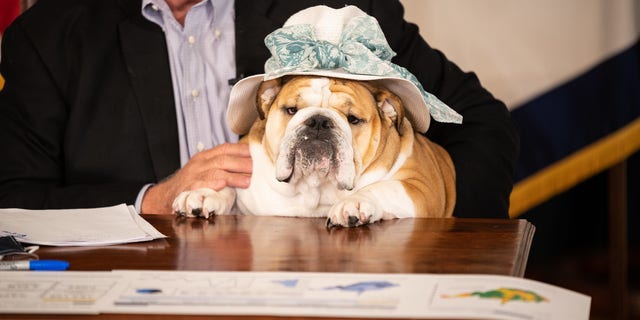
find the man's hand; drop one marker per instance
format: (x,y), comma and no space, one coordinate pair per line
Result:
(225,165)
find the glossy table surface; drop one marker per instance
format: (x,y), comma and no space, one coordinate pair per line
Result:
(254,243)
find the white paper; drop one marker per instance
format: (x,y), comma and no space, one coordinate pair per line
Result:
(419,296)
(77,227)
(54,292)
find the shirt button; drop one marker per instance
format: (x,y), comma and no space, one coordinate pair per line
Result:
(191,39)
(200,146)
(195,93)
(217,33)
(155,8)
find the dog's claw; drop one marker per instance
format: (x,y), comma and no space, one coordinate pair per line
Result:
(197,212)
(353,221)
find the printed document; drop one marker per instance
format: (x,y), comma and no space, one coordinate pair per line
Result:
(77,227)
(362,295)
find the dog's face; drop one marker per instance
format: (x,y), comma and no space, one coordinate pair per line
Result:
(324,128)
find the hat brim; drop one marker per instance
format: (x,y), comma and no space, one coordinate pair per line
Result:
(242,110)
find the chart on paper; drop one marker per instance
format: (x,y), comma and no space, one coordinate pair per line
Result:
(169,289)
(420,296)
(54,292)
(346,294)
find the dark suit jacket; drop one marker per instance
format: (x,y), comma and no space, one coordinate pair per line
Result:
(87,114)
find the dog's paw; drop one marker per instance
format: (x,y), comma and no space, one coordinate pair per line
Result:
(204,202)
(353,211)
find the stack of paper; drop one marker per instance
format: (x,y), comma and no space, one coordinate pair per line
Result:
(77,227)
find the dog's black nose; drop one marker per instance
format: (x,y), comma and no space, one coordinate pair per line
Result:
(319,122)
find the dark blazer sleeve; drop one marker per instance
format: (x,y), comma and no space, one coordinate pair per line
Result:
(73,131)
(484,148)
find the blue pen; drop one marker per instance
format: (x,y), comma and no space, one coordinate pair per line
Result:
(38,265)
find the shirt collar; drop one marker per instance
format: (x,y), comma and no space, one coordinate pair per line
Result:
(153,9)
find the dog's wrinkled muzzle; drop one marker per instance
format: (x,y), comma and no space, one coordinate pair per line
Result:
(317,147)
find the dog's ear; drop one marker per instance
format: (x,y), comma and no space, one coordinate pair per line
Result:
(267,93)
(390,106)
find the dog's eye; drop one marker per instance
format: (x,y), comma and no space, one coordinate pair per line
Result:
(291,110)
(353,120)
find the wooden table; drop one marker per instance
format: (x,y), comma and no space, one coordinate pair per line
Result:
(253,243)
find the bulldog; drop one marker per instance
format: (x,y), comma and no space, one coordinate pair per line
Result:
(335,148)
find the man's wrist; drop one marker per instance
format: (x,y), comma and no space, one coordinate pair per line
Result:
(154,201)
(140,197)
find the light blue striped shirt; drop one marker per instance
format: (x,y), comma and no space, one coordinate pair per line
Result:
(202,61)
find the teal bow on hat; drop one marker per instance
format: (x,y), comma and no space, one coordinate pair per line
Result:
(361,49)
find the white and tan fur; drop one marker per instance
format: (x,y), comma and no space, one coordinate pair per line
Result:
(336,148)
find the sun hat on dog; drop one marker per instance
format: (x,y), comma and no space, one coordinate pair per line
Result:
(340,43)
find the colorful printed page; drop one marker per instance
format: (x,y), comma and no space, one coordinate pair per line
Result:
(420,296)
